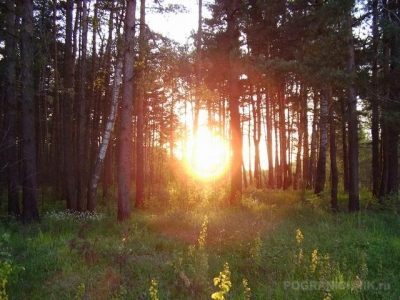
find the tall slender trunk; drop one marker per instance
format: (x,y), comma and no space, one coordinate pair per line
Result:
(314,138)
(81,161)
(140,109)
(257,138)
(323,143)
(278,169)
(236,141)
(57,128)
(197,102)
(92,203)
(108,173)
(345,148)
(354,203)
(394,95)
(383,190)
(125,137)
(268,133)
(282,136)
(300,131)
(374,102)
(68,95)
(90,132)
(10,118)
(29,173)
(304,126)
(333,153)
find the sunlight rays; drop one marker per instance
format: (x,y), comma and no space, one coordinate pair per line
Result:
(207,155)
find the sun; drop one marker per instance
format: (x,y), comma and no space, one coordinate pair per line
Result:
(207,155)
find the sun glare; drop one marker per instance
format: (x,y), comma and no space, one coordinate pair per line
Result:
(207,155)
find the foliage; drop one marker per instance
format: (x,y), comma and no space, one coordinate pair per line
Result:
(223,282)
(277,246)
(8,269)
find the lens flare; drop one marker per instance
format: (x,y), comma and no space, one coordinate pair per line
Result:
(207,155)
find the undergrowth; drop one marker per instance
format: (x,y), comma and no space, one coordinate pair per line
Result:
(274,245)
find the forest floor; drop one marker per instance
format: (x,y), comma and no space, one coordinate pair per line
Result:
(275,245)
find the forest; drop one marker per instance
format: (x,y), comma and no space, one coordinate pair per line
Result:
(265,149)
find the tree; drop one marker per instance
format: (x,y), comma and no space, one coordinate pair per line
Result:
(81,161)
(125,135)
(323,143)
(68,95)
(333,155)
(354,202)
(29,172)
(10,119)
(140,109)
(91,202)
(374,102)
(236,142)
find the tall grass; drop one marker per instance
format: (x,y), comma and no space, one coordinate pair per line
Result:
(275,245)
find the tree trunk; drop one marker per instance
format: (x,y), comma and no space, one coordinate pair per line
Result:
(354,205)
(323,143)
(393,111)
(10,118)
(268,133)
(282,136)
(304,129)
(91,203)
(333,155)
(81,161)
(29,172)
(237,157)
(345,148)
(300,131)
(278,169)
(314,138)
(197,103)
(140,109)
(67,110)
(257,138)
(125,137)
(374,102)
(386,93)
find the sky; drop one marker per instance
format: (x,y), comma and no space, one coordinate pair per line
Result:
(176,26)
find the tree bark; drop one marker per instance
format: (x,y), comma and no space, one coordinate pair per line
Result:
(394,95)
(236,138)
(313,146)
(29,172)
(374,102)
(10,118)
(304,126)
(282,136)
(354,202)
(257,138)
(345,148)
(125,137)
(81,161)
(333,154)
(268,134)
(323,143)
(91,202)
(67,110)
(140,109)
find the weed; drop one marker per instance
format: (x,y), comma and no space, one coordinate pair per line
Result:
(153,290)
(8,269)
(247,290)
(80,292)
(223,282)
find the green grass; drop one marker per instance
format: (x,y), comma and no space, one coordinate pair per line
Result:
(356,256)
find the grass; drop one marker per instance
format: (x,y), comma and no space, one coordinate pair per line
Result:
(180,254)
